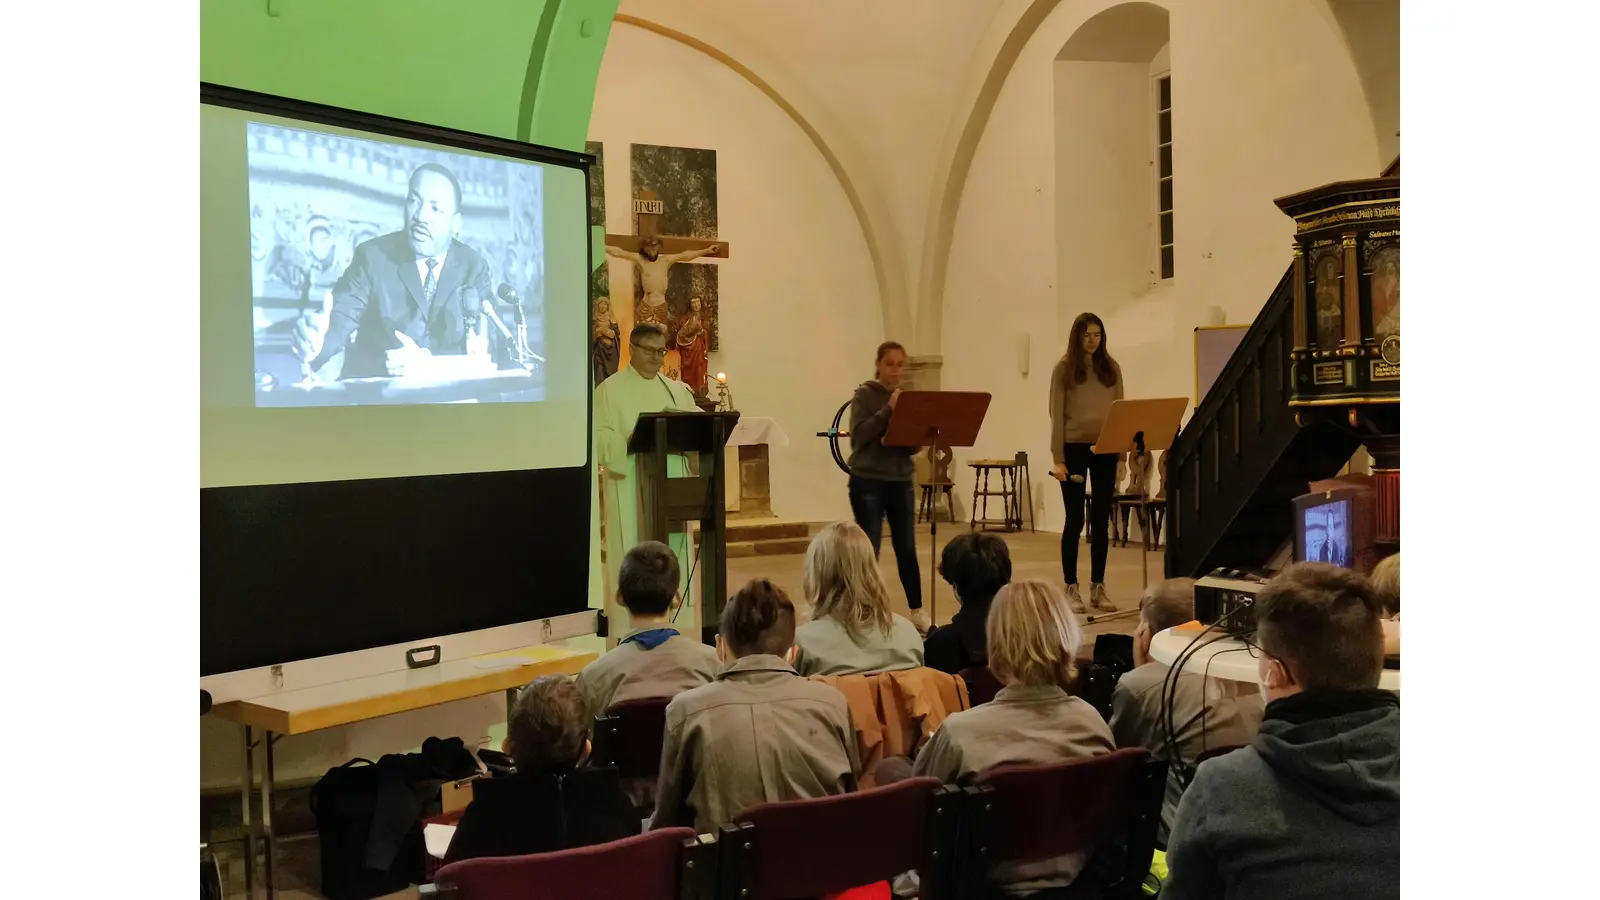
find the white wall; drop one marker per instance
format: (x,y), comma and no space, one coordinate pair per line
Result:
(800,313)
(800,319)
(1103,123)
(1266,103)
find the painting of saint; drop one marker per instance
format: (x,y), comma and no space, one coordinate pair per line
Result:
(1330,305)
(693,348)
(1386,293)
(607,340)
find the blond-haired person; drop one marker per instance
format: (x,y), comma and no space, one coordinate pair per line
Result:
(1033,639)
(851,630)
(1385,580)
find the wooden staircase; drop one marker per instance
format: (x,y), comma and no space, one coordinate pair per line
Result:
(1263,432)
(1243,456)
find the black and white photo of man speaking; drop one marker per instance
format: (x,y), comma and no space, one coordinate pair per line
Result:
(406,296)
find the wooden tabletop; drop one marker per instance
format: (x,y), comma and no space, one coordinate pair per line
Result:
(360,699)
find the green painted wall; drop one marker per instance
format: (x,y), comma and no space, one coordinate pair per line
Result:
(522,69)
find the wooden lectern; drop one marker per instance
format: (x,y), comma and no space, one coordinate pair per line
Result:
(664,502)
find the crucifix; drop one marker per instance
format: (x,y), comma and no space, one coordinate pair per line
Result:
(652,255)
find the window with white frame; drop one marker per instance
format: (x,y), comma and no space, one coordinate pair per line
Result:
(1163,167)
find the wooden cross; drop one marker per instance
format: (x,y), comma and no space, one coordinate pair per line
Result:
(647,209)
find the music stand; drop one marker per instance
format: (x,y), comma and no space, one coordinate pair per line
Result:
(1140,426)
(935,419)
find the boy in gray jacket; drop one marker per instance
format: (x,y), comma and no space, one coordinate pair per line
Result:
(1311,810)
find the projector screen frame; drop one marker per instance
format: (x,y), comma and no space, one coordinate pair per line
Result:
(300,672)
(338,117)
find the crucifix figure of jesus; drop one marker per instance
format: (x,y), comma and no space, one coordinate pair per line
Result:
(652,255)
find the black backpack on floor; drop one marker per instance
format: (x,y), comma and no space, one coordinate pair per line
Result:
(369,817)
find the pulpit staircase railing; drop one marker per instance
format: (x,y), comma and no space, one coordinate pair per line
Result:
(1243,456)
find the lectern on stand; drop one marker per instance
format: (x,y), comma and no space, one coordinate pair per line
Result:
(664,502)
(935,419)
(1140,426)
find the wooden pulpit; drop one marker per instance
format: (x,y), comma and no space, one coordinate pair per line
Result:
(665,502)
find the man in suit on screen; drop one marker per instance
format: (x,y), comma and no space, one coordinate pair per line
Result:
(406,295)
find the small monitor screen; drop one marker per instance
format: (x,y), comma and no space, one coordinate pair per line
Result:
(1326,534)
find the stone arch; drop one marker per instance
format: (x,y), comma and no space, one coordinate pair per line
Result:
(1104,150)
(993,60)
(1128,32)
(870,210)
(1370,30)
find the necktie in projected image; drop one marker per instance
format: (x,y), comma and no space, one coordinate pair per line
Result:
(431,283)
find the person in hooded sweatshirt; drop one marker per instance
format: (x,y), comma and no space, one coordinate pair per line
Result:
(1311,809)
(977,565)
(881,477)
(552,801)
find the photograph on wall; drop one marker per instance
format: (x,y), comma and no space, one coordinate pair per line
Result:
(607,334)
(685,181)
(381,271)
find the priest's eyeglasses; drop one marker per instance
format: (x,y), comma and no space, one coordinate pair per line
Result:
(650,351)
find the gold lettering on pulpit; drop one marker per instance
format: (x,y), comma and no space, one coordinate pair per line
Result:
(1327,373)
(1375,212)
(1382,371)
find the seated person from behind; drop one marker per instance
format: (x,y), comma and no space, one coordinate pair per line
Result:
(976,565)
(1385,580)
(1311,809)
(1207,713)
(1033,639)
(652,659)
(760,732)
(851,629)
(552,801)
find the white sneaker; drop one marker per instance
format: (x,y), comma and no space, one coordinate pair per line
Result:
(1075,599)
(1098,598)
(919,618)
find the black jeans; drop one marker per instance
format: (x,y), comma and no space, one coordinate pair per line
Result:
(870,500)
(1102,468)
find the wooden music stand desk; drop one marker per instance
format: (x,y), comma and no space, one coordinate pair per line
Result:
(935,419)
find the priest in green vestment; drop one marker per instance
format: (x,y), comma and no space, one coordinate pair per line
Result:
(635,389)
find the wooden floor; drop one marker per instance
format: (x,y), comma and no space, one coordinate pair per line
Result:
(1032,556)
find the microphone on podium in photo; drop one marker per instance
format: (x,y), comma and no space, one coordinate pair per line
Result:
(488,309)
(509,294)
(525,355)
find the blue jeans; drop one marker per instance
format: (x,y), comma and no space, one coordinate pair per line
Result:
(871,500)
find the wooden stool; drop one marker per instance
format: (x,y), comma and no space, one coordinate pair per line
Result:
(1010,499)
